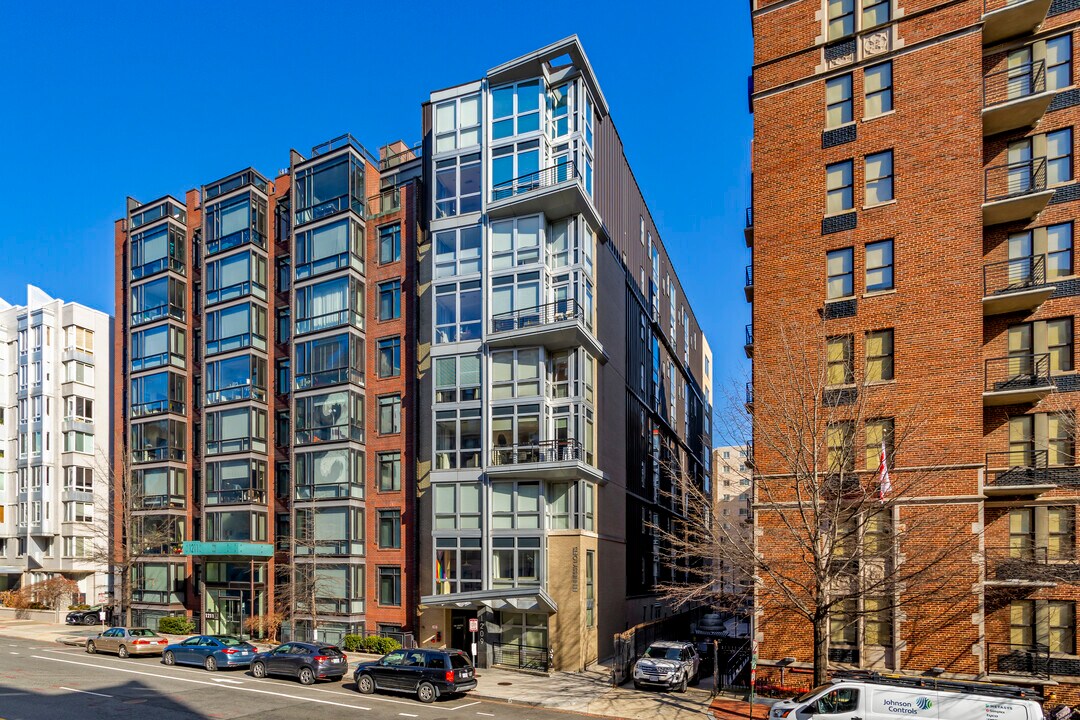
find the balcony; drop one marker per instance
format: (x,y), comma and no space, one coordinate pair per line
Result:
(548,459)
(1017,379)
(1014,285)
(556,191)
(1030,566)
(386,202)
(1015,98)
(1007,18)
(555,325)
(748,288)
(1015,191)
(748,231)
(1019,472)
(748,348)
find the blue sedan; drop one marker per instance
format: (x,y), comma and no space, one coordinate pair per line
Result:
(210,651)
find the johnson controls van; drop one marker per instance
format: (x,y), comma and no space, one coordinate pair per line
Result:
(875,696)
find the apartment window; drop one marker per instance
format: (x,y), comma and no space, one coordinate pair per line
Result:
(839,187)
(838,106)
(879,178)
(1059,242)
(390,529)
(1059,151)
(458,314)
(515,505)
(456,506)
(841,16)
(879,434)
(389,586)
(457,438)
(390,300)
(1059,62)
(457,252)
(389,471)
(875,12)
(838,438)
(878,87)
(879,355)
(457,123)
(457,185)
(389,353)
(389,243)
(840,366)
(590,588)
(515,109)
(457,378)
(879,266)
(389,414)
(840,269)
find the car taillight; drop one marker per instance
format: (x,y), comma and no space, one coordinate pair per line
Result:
(230,651)
(321,658)
(449,676)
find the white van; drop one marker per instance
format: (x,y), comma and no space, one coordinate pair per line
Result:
(876,696)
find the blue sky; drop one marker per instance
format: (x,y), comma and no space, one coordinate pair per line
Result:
(106,100)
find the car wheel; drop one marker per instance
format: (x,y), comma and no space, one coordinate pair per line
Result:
(258,670)
(168,658)
(307,676)
(123,652)
(682,685)
(88,620)
(91,647)
(426,692)
(210,663)
(365,684)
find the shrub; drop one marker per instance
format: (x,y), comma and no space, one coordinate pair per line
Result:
(371,644)
(176,625)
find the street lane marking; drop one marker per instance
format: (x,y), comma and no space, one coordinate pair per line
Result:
(203,682)
(464,706)
(84,692)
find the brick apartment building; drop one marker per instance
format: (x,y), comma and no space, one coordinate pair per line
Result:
(263,331)
(914,192)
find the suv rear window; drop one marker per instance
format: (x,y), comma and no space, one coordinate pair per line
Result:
(458,660)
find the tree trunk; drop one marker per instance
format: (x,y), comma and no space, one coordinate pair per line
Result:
(821,648)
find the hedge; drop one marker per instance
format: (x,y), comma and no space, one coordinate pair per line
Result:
(371,644)
(176,625)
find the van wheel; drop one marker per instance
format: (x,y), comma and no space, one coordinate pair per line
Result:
(365,684)
(425,693)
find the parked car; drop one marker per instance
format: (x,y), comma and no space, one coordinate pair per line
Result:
(428,674)
(89,616)
(668,665)
(307,662)
(127,641)
(210,651)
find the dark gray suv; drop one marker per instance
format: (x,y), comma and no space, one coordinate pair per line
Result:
(428,674)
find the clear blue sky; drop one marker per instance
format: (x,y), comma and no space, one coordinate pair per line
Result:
(106,100)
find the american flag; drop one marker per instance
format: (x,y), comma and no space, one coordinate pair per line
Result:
(884,483)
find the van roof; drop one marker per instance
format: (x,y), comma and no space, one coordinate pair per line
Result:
(915,681)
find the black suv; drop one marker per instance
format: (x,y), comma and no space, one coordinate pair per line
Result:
(427,673)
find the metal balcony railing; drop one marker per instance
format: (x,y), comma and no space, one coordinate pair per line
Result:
(1016,179)
(1014,83)
(544,451)
(1018,372)
(1014,275)
(1015,659)
(1018,467)
(547,177)
(539,315)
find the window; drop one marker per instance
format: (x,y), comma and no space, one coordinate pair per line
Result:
(389,414)
(457,252)
(879,355)
(456,506)
(457,378)
(390,529)
(838,101)
(841,16)
(879,178)
(875,12)
(389,357)
(1059,343)
(457,438)
(839,188)
(515,505)
(1059,241)
(389,471)
(515,242)
(1059,157)
(457,185)
(1059,62)
(390,300)
(840,361)
(879,434)
(389,243)
(840,271)
(878,87)
(879,266)
(458,313)
(515,562)
(457,123)
(458,563)
(838,437)
(515,109)
(389,586)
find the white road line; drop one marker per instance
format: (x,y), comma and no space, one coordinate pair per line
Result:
(84,692)
(464,706)
(203,682)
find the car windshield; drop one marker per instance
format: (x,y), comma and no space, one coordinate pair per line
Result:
(141,632)
(662,653)
(229,640)
(458,660)
(811,693)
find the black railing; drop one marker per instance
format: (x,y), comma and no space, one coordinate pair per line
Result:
(1015,659)
(547,177)
(1018,467)
(1002,86)
(547,314)
(1018,372)
(544,451)
(526,657)
(1003,182)
(1014,275)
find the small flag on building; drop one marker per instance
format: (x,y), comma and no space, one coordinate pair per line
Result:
(884,483)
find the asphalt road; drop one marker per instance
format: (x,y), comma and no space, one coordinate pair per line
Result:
(39,681)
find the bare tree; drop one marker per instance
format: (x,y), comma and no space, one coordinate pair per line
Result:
(830,543)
